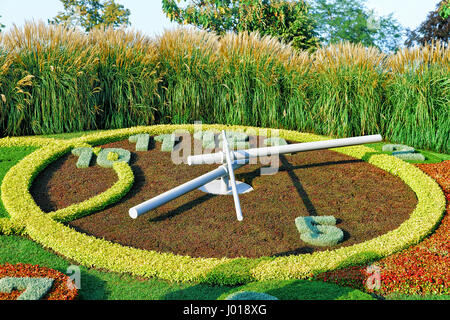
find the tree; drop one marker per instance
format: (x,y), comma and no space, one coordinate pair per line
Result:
(89,14)
(286,20)
(444,9)
(351,20)
(434,28)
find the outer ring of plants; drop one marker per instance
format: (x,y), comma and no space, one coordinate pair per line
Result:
(94,252)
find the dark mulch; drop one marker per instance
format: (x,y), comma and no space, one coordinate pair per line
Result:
(367,202)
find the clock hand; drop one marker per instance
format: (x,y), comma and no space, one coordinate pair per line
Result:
(228,157)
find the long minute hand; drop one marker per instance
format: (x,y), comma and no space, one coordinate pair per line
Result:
(228,156)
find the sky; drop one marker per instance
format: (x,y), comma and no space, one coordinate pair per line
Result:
(147,16)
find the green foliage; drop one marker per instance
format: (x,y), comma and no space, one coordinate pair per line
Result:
(56,80)
(350,20)
(90,14)
(417,94)
(286,20)
(100,285)
(10,156)
(444,9)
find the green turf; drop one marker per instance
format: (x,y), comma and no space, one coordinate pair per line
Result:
(96,284)
(302,290)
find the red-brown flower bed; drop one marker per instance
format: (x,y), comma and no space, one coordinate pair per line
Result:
(422,269)
(62,288)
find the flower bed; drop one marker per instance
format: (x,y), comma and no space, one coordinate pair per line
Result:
(90,251)
(62,287)
(422,269)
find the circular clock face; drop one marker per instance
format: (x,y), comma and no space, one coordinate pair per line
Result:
(364,200)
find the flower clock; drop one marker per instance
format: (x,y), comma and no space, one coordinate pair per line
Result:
(290,231)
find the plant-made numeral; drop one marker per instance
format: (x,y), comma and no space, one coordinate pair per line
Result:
(168,141)
(319,230)
(236,140)
(105,157)
(141,140)
(275,141)
(84,156)
(108,156)
(35,288)
(404,152)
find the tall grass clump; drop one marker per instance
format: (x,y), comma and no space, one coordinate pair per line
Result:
(127,78)
(347,90)
(262,82)
(418,97)
(46,80)
(236,79)
(189,70)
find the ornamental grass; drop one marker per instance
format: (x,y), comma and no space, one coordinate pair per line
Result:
(55,80)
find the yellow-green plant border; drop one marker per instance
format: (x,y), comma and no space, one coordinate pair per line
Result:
(94,252)
(113,194)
